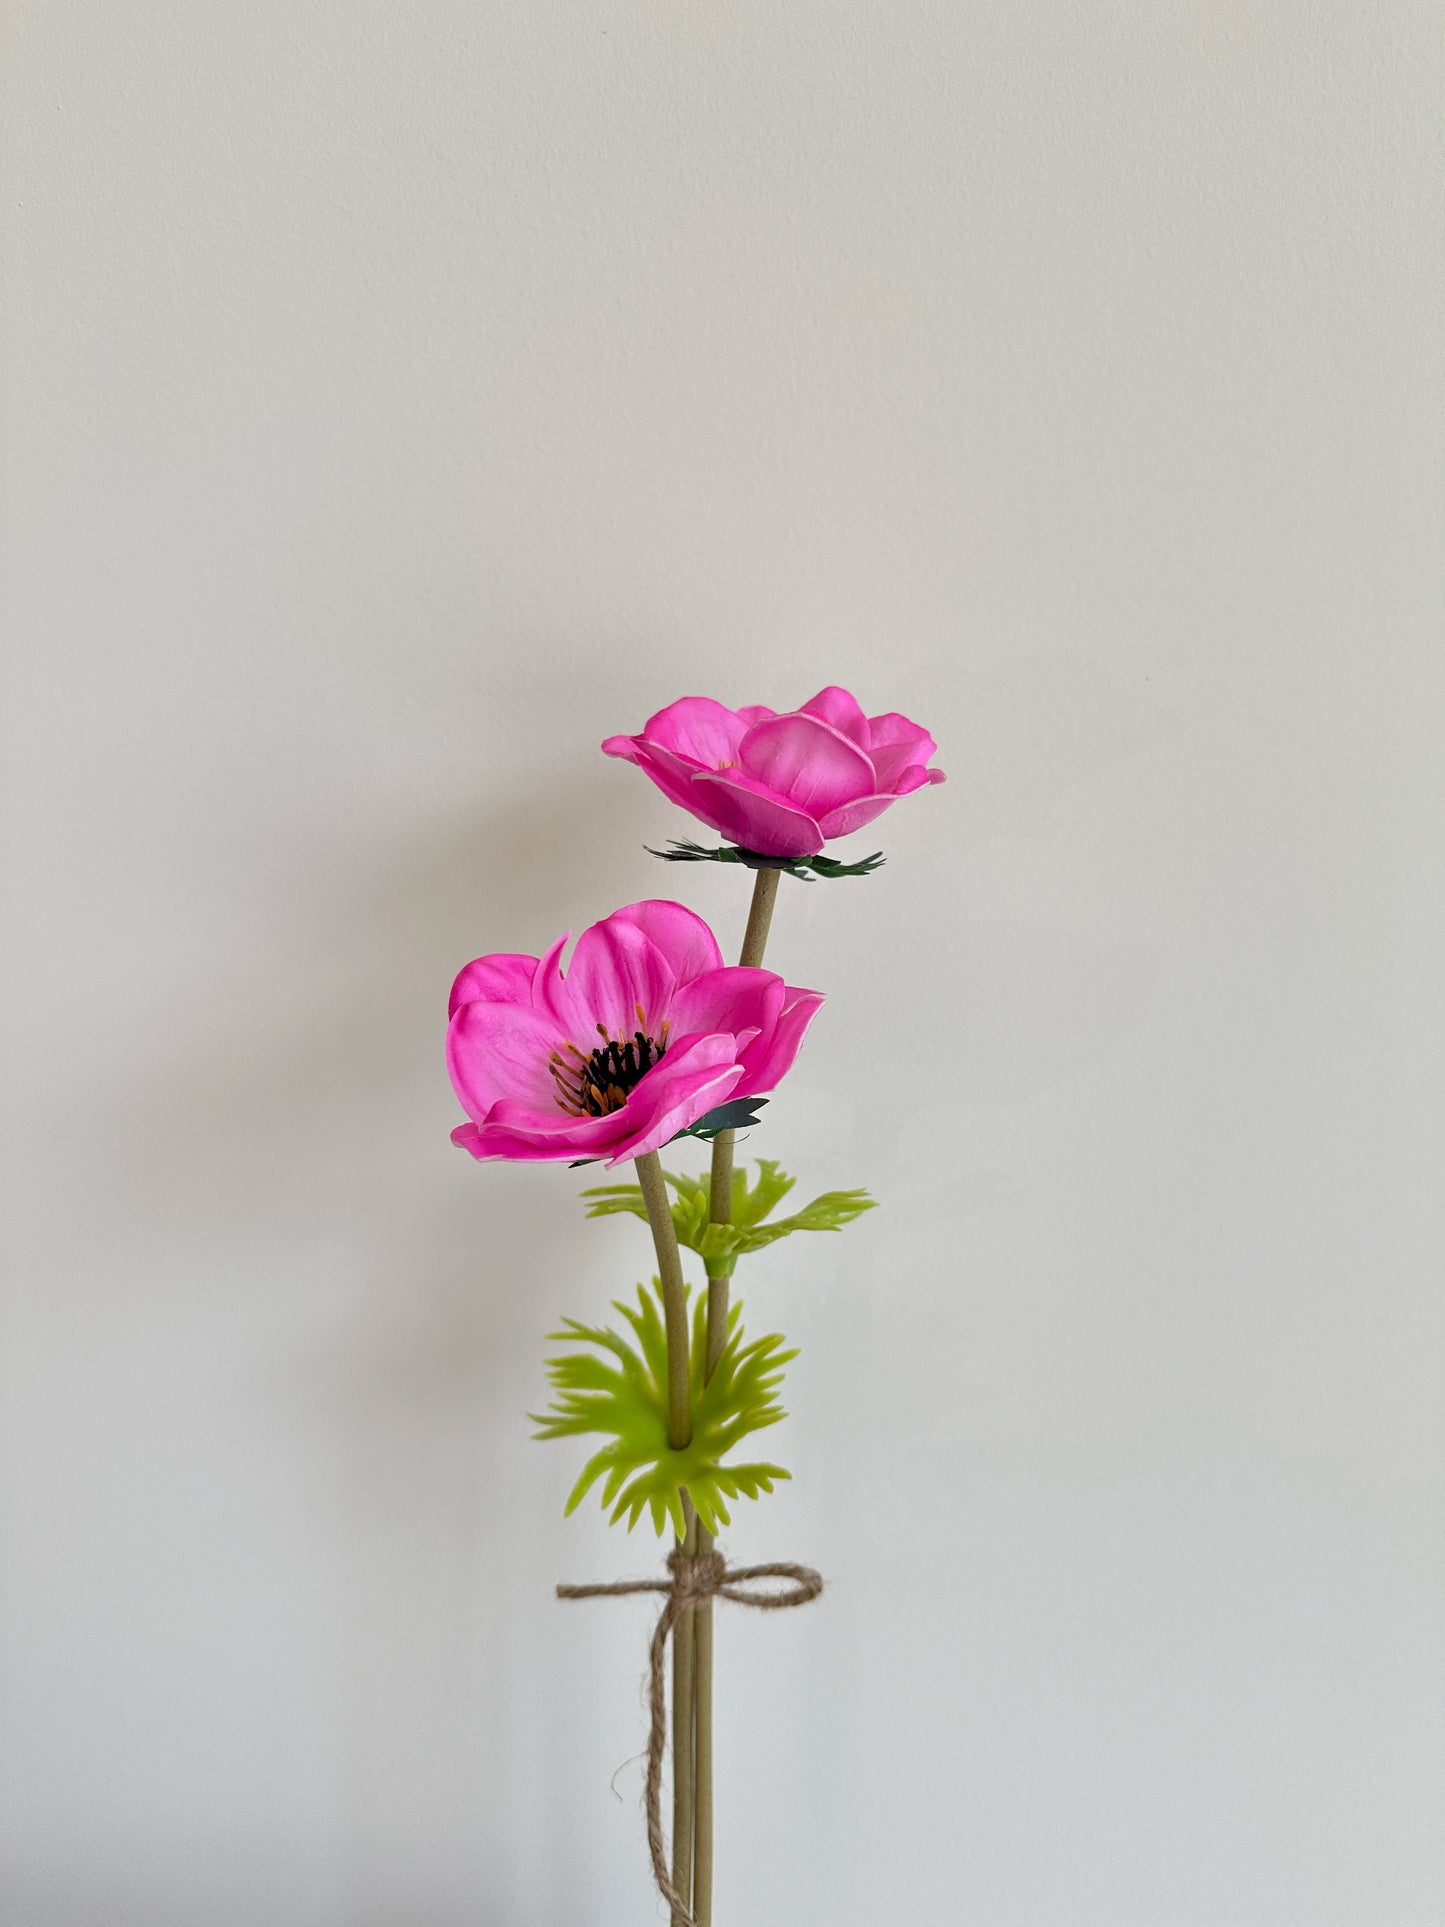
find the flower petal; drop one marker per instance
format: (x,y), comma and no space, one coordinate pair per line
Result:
(694,1076)
(685,941)
(661,765)
(698,729)
(614,969)
(852,816)
(807,763)
(841,711)
(768,1061)
(729,999)
(547,992)
(497,1051)
(895,744)
(688,1082)
(521,1134)
(505,978)
(748,812)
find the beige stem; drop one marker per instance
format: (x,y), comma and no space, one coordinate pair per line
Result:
(684,1696)
(674,1297)
(679,1434)
(720,1211)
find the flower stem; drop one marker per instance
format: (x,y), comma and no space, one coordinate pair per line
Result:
(720,1211)
(684,1745)
(674,1297)
(679,1434)
(760,917)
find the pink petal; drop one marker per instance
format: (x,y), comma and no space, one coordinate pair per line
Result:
(893,728)
(517,1143)
(836,707)
(529,1136)
(496,1141)
(729,999)
(547,991)
(505,978)
(489,1144)
(853,816)
(689,947)
(661,766)
(694,1076)
(767,1062)
(747,812)
(688,1082)
(696,728)
(894,761)
(614,969)
(496,1051)
(807,763)
(895,744)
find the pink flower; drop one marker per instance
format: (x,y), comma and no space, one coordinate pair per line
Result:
(647,1031)
(781,785)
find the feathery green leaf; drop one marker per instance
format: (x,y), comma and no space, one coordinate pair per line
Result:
(721,1245)
(622,1394)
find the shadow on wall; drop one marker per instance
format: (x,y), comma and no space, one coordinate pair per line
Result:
(304,1093)
(297,1218)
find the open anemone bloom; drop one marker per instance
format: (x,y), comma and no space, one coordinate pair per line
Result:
(781,785)
(645,1032)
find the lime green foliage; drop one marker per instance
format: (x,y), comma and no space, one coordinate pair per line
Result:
(624,1392)
(721,1245)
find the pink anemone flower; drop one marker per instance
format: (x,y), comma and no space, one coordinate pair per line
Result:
(781,785)
(645,1033)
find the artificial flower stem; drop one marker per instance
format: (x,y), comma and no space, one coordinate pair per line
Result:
(679,1434)
(674,1297)
(684,1757)
(720,1211)
(720,1202)
(760,917)
(702,1754)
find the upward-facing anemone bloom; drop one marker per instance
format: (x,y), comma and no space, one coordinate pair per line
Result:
(646,1031)
(781,785)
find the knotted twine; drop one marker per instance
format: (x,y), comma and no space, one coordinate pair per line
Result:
(694,1580)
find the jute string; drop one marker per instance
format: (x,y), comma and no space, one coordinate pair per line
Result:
(707,1576)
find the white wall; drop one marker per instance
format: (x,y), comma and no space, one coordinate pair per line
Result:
(400,399)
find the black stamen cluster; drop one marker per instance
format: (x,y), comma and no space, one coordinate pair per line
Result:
(612,1071)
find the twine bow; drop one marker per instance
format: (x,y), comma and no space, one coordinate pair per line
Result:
(693,1581)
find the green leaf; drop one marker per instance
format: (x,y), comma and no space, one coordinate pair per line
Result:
(736,1115)
(683,850)
(752,1203)
(619,1390)
(828,866)
(721,1245)
(805,868)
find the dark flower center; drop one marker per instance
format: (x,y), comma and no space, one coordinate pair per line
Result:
(596,1085)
